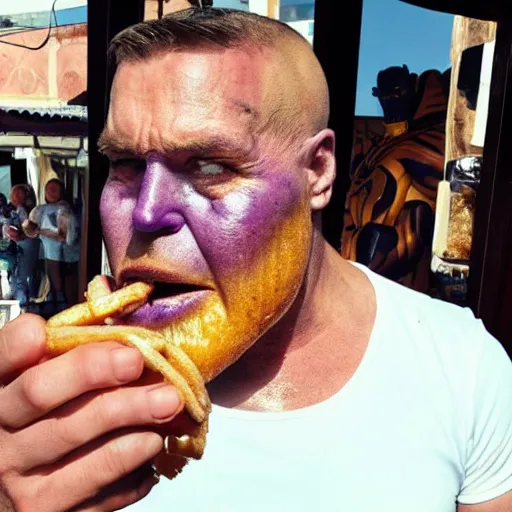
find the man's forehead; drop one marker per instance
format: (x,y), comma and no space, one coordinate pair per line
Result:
(191,68)
(230,78)
(170,96)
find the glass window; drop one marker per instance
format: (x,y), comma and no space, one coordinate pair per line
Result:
(298,14)
(45,175)
(421,112)
(296,10)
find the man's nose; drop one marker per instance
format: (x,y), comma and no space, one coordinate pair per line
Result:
(159,203)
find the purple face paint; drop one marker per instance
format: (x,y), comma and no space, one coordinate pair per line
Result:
(226,233)
(162,312)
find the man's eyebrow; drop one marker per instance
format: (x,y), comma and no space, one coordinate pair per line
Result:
(210,145)
(108,143)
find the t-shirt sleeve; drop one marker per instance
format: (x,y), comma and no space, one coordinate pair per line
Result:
(36,215)
(488,469)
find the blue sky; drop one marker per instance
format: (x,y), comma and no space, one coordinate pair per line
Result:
(394,33)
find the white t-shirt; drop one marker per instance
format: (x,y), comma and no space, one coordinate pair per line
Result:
(425,421)
(47,216)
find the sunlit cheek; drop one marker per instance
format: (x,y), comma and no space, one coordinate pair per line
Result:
(270,251)
(262,289)
(254,296)
(252,222)
(237,204)
(196,204)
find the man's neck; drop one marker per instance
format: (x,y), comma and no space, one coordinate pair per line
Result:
(313,350)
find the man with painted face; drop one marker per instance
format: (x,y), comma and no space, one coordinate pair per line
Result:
(326,394)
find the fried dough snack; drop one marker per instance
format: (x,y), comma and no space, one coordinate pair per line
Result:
(87,323)
(460,230)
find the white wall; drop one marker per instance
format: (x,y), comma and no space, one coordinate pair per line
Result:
(259,7)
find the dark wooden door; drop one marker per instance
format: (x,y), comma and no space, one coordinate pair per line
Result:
(105,19)
(490,283)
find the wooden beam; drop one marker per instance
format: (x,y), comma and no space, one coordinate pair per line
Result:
(106,18)
(273,9)
(490,10)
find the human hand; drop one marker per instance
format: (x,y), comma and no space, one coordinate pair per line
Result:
(75,433)
(13,233)
(31,229)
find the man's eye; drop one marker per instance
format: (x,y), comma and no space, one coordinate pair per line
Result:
(126,170)
(210,168)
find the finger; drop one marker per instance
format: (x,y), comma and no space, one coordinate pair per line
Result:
(85,473)
(22,344)
(45,387)
(88,418)
(127,491)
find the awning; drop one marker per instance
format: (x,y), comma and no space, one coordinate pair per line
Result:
(58,147)
(72,112)
(56,120)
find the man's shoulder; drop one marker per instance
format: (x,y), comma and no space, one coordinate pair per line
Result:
(412,300)
(428,321)
(443,343)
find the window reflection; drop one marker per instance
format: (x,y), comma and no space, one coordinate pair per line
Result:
(43,146)
(298,14)
(419,131)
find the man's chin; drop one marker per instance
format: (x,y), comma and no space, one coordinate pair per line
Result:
(211,336)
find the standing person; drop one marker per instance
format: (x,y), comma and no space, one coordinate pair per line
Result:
(35,280)
(49,221)
(333,388)
(22,200)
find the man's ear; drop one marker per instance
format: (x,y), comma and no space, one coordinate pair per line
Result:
(321,168)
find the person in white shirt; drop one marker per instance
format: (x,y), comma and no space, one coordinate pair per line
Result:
(350,393)
(55,224)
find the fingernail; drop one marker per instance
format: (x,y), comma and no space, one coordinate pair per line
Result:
(154,444)
(164,402)
(127,363)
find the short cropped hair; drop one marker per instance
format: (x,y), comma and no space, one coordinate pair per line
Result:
(197,28)
(214,28)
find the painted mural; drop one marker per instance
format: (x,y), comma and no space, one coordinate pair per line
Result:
(55,72)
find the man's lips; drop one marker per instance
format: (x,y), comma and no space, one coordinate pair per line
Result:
(170,299)
(165,310)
